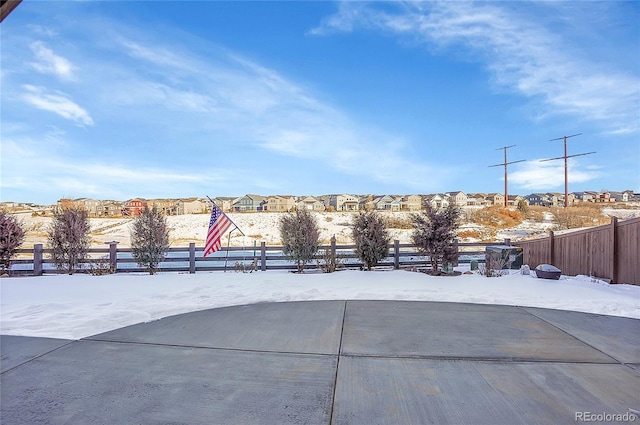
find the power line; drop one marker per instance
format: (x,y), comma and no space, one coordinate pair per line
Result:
(505,163)
(566,167)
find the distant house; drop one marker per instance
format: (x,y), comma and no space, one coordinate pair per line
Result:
(8,205)
(280,204)
(344,202)
(555,199)
(165,206)
(249,203)
(190,206)
(514,199)
(578,196)
(584,196)
(111,208)
(458,198)
(387,203)
(437,200)
(495,198)
(603,197)
(590,196)
(224,203)
(627,196)
(537,199)
(133,207)
(477,199)
(411,203)
(310,203)
(93,207)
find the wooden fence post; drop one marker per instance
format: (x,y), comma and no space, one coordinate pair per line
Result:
(113,256)
(263,256)
(551,248)
(37,259)
(333,246)
(614,249)
(396,254)
(192,257)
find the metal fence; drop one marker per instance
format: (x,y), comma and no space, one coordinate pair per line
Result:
(611,251)
(36,261)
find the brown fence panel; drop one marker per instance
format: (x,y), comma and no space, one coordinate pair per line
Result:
(628,252)
(587,252)
(611,251)
(535,252)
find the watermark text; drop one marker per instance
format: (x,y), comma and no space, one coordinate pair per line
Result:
(605,417)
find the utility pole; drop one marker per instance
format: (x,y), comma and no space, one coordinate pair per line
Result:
(505,163)
(566,167)
(7,7)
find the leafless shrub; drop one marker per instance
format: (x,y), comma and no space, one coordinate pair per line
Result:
(68,238)
(11,237)
(496,264)
(329,262)
(434,234)
(371,238)
(300,236)
(100,267)
(149,239)
(399,223)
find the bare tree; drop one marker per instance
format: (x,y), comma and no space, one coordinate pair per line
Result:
(434,233)
(11,237)
(149,239)
(371,238)
(69,238)
(300,236)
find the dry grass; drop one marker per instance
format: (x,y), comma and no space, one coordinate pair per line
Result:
(535,213)
(496,217)
(470,234)
(579,216)
(177,242)
(399,223)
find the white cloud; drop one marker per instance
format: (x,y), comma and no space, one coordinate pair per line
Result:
(47,62)
(178,116)
(257,105)
(29,164)
(535,175)
(57,102)
(523,55)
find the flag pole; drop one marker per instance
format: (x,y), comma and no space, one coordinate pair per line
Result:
(236,226)
(226,257)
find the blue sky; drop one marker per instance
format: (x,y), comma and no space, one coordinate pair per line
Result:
(115,100)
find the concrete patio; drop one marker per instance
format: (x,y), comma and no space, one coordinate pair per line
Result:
(331,362)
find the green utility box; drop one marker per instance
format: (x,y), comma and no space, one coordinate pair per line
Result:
(503,257)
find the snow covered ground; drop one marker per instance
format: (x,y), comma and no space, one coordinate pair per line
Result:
(257,227)
(82,305)
(260,227)
(77,306)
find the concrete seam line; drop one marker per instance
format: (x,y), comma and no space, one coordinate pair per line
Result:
(571,335)
(335,380)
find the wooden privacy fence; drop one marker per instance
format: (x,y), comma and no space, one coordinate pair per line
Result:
(189,259)
(611,251)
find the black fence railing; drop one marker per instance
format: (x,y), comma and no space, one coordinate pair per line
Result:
(36,261)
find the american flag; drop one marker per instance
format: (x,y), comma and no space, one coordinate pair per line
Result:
(218,224)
